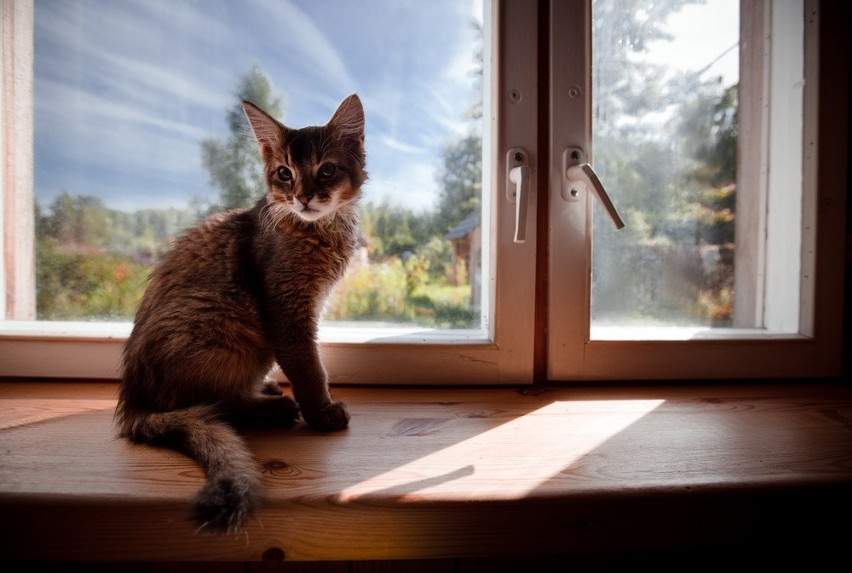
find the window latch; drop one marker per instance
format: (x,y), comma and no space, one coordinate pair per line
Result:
(517,189)
(578,175)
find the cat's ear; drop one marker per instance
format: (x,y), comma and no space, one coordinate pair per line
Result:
(267,131)
(348,120)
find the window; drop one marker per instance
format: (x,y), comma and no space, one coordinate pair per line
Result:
(554,289)
(137,138)
(668,299)
(129,129)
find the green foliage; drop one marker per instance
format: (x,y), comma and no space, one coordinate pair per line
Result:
(460,179)
(393,230)
(437,255)
(679,218)
(444,306)
(674,187)
(375,293)
(399,292)
(708,132)
(77,220)
(86,285)
(416,270)
(91,261)
(234,164)
(84,223)
(622,29)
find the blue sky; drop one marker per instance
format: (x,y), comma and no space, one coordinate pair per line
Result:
(125,91)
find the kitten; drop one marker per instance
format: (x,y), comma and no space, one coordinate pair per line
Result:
(236,294)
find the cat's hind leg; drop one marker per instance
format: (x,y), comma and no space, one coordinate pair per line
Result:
(265,411)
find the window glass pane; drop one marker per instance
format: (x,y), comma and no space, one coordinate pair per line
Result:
(665,111)
(138,134)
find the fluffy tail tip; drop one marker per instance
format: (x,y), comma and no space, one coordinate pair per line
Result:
(223,504)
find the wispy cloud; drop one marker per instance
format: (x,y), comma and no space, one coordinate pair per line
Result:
(290,33)
(399,145)
(97,112)
(413,186)
(125,91)
(152,83)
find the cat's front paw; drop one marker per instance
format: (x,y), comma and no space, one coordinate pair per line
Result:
(329,418)
(270,387)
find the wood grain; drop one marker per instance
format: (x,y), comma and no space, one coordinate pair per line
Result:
(431,473)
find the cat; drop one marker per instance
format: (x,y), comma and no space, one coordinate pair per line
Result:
(234,295)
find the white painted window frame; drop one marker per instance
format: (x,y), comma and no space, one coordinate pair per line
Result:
(505,353)
(502,353)
(17,274)
(809,344)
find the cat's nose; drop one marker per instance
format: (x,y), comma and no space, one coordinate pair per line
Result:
(305,199)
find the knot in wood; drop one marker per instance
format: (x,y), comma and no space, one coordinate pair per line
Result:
(273,466)
(274,554)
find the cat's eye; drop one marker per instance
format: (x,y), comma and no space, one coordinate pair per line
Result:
(327,171)
(284,174)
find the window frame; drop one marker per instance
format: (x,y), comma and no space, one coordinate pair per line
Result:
(501,354)
(539,294)
(573,354)
(17,228)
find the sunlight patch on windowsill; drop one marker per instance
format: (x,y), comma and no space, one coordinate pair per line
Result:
(508,461)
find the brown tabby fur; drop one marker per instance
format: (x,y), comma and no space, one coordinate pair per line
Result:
(236,294)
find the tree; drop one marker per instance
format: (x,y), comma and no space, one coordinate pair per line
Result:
(393,230)
(460,176)
(672,180)
(77,221)
(234,165)
(709,128)
(632,154)
(461,182)
(708,131)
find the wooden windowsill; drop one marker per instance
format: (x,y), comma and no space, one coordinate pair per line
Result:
(443,473)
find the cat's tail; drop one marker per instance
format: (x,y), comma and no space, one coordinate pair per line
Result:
(232,491)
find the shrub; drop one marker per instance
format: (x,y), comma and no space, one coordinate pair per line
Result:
(374,292)
(74,284)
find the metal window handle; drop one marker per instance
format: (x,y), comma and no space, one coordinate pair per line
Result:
(517,189)
(580,175)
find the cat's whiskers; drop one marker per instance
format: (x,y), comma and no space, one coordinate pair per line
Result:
(272,214)
(264,214)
